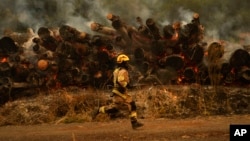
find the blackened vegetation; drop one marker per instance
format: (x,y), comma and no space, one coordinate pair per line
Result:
(64,56)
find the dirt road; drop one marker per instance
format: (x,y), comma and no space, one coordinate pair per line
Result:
(213,128)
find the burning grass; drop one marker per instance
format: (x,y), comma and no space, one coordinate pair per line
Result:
(76,105)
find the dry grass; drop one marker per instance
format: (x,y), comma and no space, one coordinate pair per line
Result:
(76,105)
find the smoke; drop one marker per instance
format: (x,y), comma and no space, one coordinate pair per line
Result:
(222,20)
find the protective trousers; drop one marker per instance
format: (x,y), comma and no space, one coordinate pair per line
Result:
(118,102)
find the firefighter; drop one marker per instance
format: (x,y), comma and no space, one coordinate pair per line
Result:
(119,92)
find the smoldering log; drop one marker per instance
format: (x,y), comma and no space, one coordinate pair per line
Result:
(143,29)
(66,64)
(139,54)
(189,74)
(120,27)
(158,48)
(5,85)
(116,21)
(5,69)
(120,42)
(42,64)
(18,58)
(38,49)
(20,38)
(227,74)
(50,43)
(140,36)
(68,33)
(65,78)
(73,76)
(145,68)
(47,55)
(44,32)
(80,77)
(97,27)
(174,61)
(193,31)
(21,85)
(81,49)
(46,64)
(73,50)
(46,39)
(168,31)
(239,58)
(103,57)
(7,82)
(153,28)
(66,50)
(109,47)
(194,54)
(100,41)
(245,74)
(105,60)
(8,46)
(226,68)
(35,79)
(20,72)
(71,34)
(139,40)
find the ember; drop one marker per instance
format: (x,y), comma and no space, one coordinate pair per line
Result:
(4,59)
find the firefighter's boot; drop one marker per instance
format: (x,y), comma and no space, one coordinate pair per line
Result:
(135,124)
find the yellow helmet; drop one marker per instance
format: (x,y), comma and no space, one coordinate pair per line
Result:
(121,58)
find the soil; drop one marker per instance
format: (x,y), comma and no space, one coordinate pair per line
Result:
(210,128)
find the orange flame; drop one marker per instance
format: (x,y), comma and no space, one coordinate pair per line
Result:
(175,36)
(179,79)
(196,69)
(4,59)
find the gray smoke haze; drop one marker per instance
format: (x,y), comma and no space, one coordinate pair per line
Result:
(222,19)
